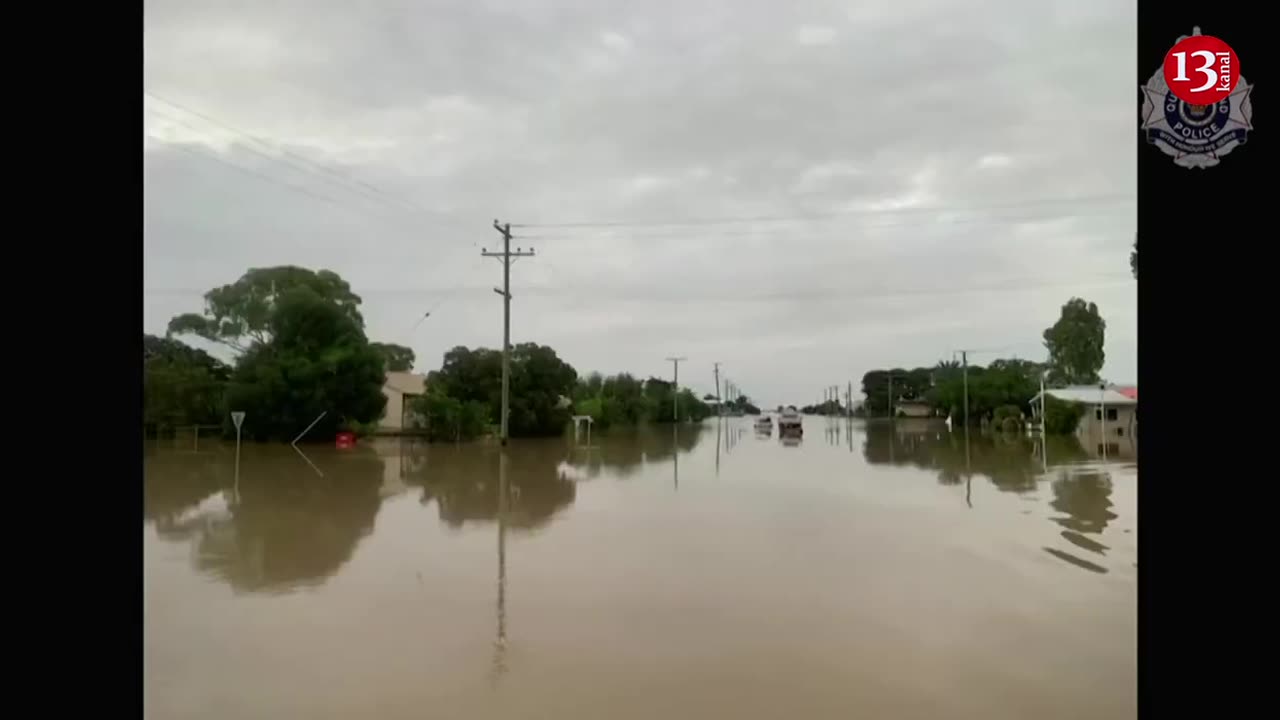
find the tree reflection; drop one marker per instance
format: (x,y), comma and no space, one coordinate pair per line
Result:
(286,528)
(1084,495)
(175,483)
(290,527)
(1011,462)
(624,451)
(463,482)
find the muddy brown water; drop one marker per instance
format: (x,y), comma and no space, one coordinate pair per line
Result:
(864,571)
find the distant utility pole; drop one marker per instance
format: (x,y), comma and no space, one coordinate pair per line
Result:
(506,257)
(717,371)
(964,361)
(848,400)
(675,386)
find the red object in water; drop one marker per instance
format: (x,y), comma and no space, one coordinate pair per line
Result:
(346,440)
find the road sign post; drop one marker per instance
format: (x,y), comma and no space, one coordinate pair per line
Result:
(237,418)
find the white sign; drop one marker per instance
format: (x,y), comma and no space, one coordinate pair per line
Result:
(237,417)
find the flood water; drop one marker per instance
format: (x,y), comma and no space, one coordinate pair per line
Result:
(867,571)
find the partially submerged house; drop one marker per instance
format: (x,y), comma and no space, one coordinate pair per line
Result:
(401,389)
(1110,417)
(915,408)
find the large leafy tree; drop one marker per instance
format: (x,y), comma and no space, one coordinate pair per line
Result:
(539,378)
(398,357)
(906,384)
(1003,384)
(317,360)
(180,384)
(1075,344)
(240,314)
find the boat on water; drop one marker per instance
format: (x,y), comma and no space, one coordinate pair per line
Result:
(789,422)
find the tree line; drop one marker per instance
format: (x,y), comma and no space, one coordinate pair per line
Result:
(301,352)
(1001,392)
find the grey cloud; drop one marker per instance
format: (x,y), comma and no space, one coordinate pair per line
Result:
(556,111)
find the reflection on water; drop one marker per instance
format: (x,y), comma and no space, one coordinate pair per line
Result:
(882,568)
(286,529)
(463,483)
(1011,463)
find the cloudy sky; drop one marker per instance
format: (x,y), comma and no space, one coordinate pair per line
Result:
(801,191)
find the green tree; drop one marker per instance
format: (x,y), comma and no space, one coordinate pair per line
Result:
(181,385)
(1133,260)
(398,357)
(1075,344)
(316,360)
(1060,417)
(447,418)
(906,385)
(1005,383)
(240,314)
(539,378)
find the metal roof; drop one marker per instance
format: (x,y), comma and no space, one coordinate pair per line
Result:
(1088,395)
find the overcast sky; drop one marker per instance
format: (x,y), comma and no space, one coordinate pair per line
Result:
(802,191)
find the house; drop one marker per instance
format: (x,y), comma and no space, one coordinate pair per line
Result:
(1110,417)
(912,409)
(400,388)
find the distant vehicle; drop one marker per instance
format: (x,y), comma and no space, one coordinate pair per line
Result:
(764,424)
(790,423)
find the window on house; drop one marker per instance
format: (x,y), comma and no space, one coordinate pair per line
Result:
(1097,413)
(1119,432)
(1113,414)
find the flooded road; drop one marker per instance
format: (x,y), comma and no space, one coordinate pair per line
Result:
(867,571)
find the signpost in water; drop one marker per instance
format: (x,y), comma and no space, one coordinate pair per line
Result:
(237,418)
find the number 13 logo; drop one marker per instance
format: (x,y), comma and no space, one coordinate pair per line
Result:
(1216,69)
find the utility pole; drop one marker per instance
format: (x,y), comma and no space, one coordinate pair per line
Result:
(506,257)
(717,371)
(675,386)
(848,400)
(964,360)
(1042,399)
(1102,413)
(890,396)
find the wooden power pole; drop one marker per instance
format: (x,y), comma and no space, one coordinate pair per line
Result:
(506,257)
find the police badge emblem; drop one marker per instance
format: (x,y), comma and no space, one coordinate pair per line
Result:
(1196,136)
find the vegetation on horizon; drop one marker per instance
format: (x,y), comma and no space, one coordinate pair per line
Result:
(1000,393)
(301,351)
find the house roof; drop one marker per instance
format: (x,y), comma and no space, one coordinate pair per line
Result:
(1129,391)
(1089,396)
(406,383)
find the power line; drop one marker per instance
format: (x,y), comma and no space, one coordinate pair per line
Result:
(190,150)
(837,231)
(308,165)
(1100,280)
(266,156)
(820,215)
